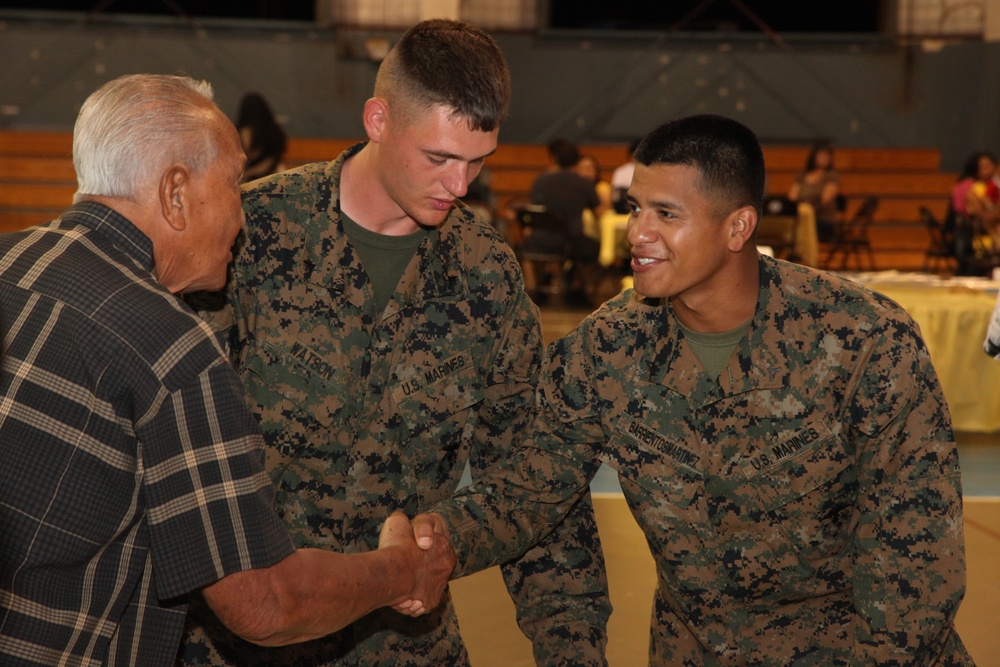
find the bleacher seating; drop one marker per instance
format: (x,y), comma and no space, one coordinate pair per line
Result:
(37,182)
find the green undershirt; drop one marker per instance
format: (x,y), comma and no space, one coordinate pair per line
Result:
(714,349)
(384,257)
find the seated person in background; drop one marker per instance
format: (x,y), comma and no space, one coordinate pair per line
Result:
(957,219)
(591,170)
(131,473)
(621,178)
(983,196)
(263,139)
(779,432)
(963,185)
(973,212)
(819,185)
(566,194)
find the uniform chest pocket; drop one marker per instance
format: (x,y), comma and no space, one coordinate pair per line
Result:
(811,467)
(292,372)
(654,462)
(431,394)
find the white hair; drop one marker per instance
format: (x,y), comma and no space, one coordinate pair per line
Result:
(136,125)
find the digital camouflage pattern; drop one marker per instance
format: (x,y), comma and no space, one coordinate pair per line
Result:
(367,412)
(804,509)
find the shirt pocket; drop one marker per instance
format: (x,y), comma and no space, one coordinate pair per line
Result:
(285,374)
(810,491)
(653,462)
(431,394)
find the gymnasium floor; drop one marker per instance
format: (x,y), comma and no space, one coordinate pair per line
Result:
(487,615)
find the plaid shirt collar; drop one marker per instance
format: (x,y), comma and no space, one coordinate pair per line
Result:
(115,227)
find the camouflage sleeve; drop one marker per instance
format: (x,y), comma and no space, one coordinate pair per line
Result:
(560,589)
(517,504)
(909,570)
(559,586)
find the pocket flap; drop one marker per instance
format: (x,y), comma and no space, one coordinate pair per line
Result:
(796,466)
(654,461)
(430,394)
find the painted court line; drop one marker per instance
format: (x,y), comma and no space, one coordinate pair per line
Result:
(983,529)
(986,500)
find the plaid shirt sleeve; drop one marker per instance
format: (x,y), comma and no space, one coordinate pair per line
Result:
(131,471)
(209,501)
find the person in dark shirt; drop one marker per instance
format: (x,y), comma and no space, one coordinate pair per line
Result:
(566,194)
(262,137)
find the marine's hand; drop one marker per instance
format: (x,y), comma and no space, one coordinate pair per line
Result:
(432,563)
(426,527)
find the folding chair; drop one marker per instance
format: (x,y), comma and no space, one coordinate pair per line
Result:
(851,237)
(940,253)
(545,251)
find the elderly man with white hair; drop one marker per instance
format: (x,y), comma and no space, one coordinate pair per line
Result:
(131,468)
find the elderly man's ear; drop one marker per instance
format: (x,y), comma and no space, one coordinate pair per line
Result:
(174,196)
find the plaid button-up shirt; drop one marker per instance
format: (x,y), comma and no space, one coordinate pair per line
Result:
(130,466)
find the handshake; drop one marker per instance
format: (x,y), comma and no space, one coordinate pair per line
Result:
(425,546)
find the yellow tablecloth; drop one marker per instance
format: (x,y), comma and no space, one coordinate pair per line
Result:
(806,240)
(612,230)
(953,319)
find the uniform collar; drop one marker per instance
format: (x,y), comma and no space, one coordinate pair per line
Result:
(332,261)
(761,356)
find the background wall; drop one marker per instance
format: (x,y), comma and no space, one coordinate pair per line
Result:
(594,87)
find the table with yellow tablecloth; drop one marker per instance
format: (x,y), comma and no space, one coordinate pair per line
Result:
(953,316)
(613,248)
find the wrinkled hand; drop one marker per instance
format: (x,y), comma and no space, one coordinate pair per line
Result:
(432,561)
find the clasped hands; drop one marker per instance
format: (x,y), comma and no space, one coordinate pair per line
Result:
(427,546)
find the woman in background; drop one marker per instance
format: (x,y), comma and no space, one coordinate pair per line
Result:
(819,186)
(262,137)
(981,195)
(974,214)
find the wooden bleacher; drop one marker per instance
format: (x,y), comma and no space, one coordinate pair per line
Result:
(904,179)
(36,177)
(37,182)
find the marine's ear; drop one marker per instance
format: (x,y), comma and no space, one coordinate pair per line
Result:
(374,116)
(742,226)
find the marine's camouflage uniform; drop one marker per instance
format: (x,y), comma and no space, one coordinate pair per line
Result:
(804,509)
(366,412)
